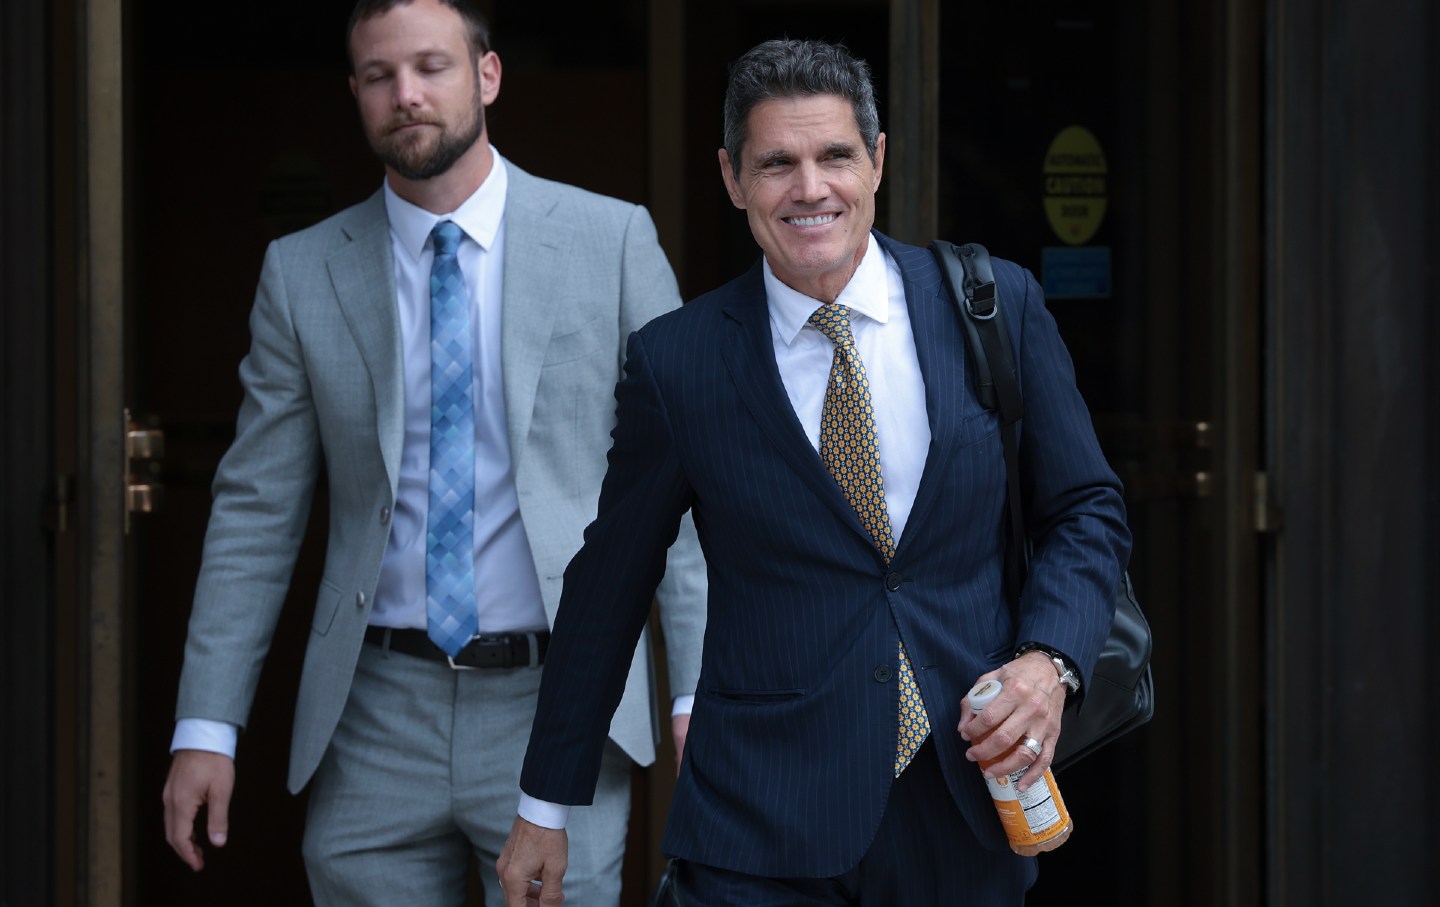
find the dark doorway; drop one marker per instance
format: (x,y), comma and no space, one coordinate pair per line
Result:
(241,128)
(1121,220)
(1080,140)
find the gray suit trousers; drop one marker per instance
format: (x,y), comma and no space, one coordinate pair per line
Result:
(423,769)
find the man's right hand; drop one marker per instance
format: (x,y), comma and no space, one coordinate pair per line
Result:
(533,853)
(198,777)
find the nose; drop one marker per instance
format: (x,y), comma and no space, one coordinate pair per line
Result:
(407,89)
(809,184)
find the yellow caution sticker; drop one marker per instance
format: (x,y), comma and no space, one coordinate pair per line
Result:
(1075,185)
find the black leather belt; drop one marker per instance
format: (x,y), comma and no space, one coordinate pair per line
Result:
(515,650)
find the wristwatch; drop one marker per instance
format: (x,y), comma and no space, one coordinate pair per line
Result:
(1061,663)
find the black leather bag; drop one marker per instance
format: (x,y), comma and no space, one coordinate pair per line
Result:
(1120,693)
(665,893)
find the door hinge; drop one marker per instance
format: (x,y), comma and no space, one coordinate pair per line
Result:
(56,519)
(1269,515)
(144,447)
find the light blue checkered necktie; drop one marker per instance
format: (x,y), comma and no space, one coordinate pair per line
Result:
(450,520)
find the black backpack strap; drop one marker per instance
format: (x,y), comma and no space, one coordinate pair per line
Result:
(972,284)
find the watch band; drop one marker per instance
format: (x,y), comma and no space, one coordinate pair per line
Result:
(1068,675)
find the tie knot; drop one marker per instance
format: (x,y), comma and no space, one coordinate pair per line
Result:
(447,236)
(833,320)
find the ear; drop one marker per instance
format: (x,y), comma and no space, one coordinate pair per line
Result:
(488,67)
(354,88)
(879,160)
(732,186)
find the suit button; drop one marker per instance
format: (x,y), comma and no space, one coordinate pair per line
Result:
(384,516)
(893,581)
(360,600)
(883,674)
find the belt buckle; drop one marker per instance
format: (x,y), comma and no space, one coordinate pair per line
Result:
(499,652)
(491,652)
(458,667)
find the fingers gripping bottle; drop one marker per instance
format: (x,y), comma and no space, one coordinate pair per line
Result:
(1036,819)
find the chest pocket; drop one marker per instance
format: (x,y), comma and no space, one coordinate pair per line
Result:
(978,426)
(588,339)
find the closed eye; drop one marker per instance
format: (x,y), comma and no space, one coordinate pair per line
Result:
(434,62)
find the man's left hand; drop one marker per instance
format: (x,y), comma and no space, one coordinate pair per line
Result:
(1029,706)
(533,852)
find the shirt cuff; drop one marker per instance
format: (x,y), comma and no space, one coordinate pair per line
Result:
(542,812)
(684,705)
(204,734)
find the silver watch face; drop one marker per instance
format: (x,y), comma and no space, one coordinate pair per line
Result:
(1067,674)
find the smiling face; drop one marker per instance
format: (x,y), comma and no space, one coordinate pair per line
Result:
(422,92)
(808,188)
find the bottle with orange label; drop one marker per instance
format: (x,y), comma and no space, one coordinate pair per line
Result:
(1035,819)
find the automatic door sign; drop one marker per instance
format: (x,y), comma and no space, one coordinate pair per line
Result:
(1075,185)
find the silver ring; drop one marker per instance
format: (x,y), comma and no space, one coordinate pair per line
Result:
(1033,745)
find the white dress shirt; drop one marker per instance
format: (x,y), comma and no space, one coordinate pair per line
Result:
(886,343)
(880,322)
(507,587)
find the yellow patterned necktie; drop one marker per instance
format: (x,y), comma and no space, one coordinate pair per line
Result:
(851,452)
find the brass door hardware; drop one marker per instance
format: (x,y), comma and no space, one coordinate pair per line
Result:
(144,448)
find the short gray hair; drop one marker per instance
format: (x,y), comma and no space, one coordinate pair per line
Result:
(788,68)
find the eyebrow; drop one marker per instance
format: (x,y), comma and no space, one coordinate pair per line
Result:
(423,56)
(767,157)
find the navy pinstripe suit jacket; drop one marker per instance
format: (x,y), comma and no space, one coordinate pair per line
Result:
(789,758)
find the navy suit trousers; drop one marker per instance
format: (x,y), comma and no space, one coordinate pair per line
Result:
(923,854)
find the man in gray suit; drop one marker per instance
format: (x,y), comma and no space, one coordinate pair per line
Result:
(448,350)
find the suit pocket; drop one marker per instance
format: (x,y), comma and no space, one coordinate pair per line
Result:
(586,340)
(757,696)
(327,602)
(978,427)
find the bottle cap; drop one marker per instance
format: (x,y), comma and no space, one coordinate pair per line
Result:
(982,694)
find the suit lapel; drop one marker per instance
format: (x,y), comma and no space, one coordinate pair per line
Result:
(535,244)
(363,275)
(749,352)
(940,351)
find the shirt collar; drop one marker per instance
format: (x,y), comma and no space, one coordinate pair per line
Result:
(867,293)
(479,215)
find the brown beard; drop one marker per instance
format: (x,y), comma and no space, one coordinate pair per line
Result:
(412,160)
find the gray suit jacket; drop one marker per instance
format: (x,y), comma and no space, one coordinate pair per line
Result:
(323,383)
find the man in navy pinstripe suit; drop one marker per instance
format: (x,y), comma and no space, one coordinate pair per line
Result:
(791,791)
